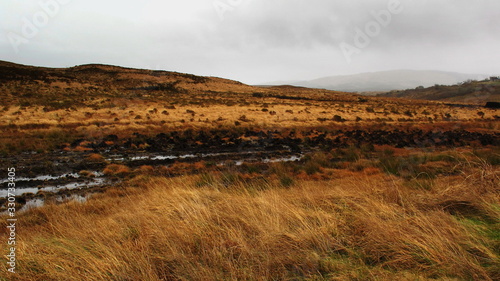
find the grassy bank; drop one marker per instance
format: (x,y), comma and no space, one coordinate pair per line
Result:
(361,225)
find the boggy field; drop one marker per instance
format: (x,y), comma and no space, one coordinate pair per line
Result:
(209,179)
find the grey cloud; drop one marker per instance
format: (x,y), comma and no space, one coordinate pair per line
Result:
(262,40)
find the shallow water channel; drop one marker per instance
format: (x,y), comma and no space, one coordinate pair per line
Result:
(70,181)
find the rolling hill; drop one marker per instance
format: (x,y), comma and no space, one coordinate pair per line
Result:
(476,92)
(56,88)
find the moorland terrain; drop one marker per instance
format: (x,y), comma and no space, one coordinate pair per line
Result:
(210,179)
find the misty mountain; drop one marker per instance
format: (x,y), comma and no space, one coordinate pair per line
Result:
(387,80)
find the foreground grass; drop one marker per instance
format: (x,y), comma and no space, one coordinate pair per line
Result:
(360,226)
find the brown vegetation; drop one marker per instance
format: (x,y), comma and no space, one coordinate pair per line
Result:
(98,100)
(392,189)
(475,92)
(360,226)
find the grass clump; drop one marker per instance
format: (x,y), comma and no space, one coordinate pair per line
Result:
(116,170)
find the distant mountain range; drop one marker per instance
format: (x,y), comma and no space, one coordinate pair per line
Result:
(384,81)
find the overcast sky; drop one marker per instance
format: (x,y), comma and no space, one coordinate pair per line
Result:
(255,41)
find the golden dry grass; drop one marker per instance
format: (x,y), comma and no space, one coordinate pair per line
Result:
(33,129)
(317,222)
(360,226)
(91,101)
(288,114)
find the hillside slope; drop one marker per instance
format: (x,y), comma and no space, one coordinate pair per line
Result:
(56,88)
(101,80)
(476,92)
